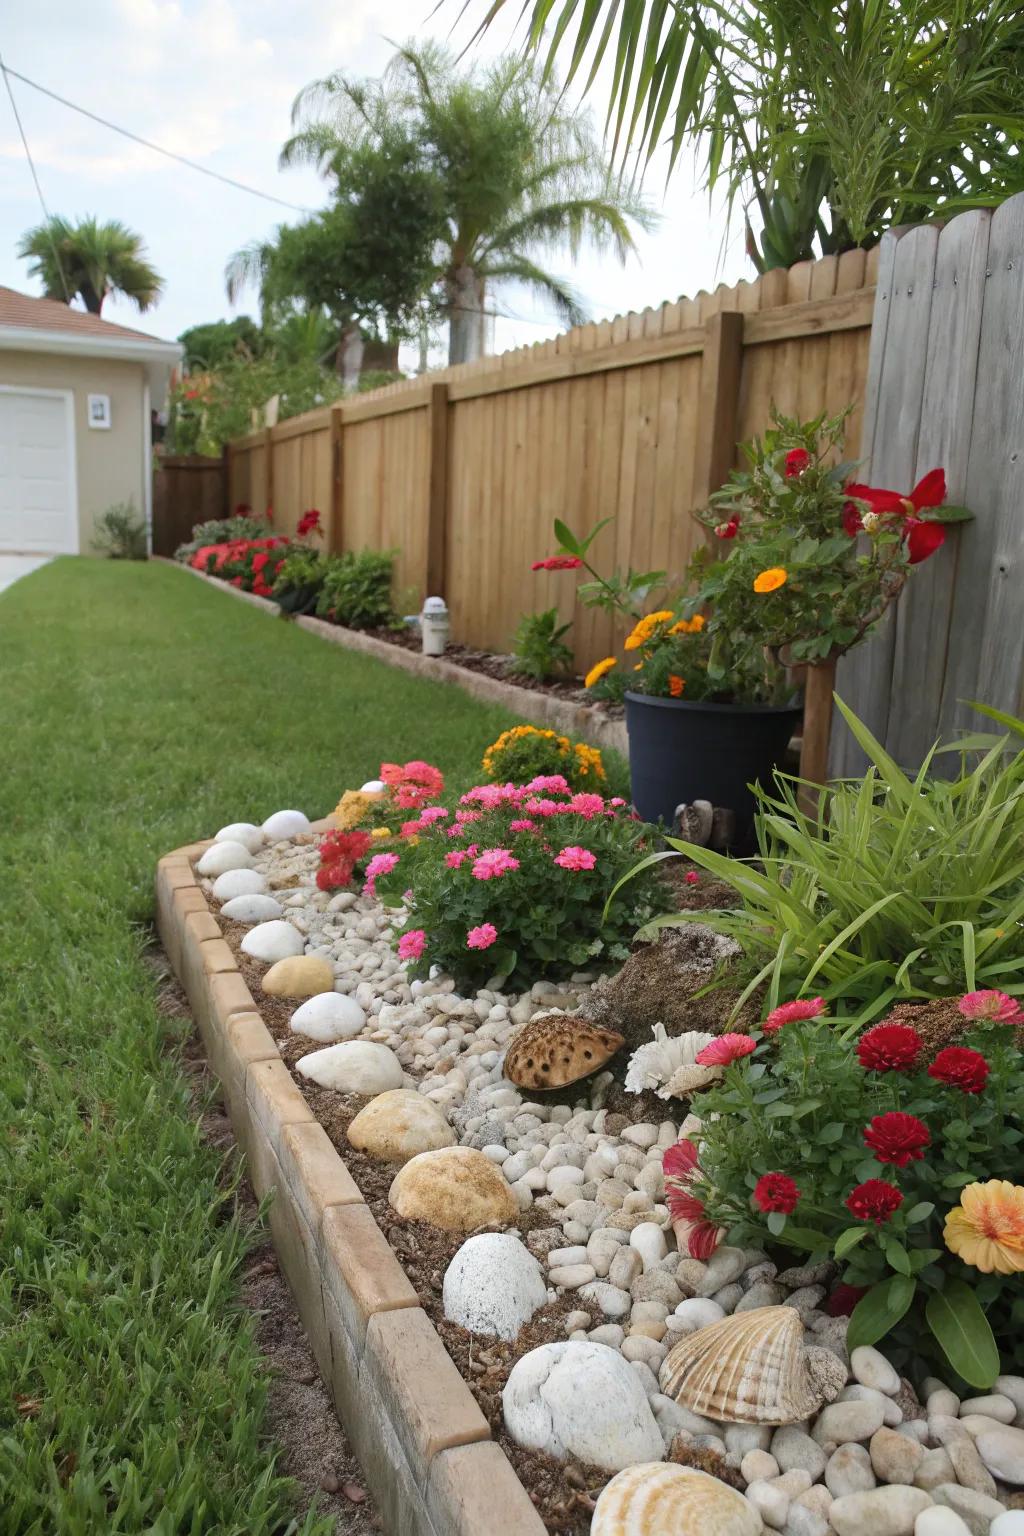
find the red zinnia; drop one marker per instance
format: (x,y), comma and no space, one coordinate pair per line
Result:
(557,563)
(874,1200)
(728,530)
(843,1299)
(889,1048)
(724,1050)
(791,1013)
(797,460)
(897,1138)
(776,1192)
(960,1068)
(923,538)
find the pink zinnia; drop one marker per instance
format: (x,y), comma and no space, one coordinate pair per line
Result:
(617,801)
(521,824)
(549,783)
(724,1050)
(587,806)
(494,862)
(380,864)
(482,937)
(465,817)
(575,858)
(790,1013)
(412,944)
(432,813)
(455,859)
(542,807)
(998,1007)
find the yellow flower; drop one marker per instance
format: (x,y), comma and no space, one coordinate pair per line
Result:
(598,671)
(987,1228)
(351,809)
(645,627)
(771,580)
(588,761)
(382,832)
(688,626)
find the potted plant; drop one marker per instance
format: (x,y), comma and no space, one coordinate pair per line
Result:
(800,563)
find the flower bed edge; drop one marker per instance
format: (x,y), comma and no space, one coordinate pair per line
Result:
(424,1445)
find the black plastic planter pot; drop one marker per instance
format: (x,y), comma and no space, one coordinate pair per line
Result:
(681,751)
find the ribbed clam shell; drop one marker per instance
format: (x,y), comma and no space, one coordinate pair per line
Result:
(748,1369)
(658,1498)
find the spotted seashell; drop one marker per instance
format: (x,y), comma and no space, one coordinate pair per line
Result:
(658,1498)
(555,1049)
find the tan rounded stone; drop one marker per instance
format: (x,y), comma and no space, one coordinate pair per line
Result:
(298,976)
(398,1125)
(455,1188)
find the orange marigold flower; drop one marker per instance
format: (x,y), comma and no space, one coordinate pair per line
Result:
(688,626)
(987,1228)
(771,580)
(645,627)
(598,671)
(676,685)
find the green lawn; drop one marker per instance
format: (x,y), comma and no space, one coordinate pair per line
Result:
(141,709)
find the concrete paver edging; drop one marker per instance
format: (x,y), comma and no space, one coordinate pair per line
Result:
(571,719)
(425,1447)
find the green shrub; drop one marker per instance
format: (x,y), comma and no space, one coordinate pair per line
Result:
(120,533)
(539,650)
(356,589)
(895,886)
(223,530)
(299,580)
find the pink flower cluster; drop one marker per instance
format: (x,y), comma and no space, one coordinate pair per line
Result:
(575,858)
(482,937)
(380,864)
(494,862)
(412,944)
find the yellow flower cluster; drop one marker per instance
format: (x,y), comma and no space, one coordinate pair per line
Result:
(352,809)
(645,627)
(688,626)
(987,1228)
(598,671)
(514,733)
(588,761)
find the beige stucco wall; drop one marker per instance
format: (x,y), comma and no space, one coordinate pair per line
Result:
(109,463)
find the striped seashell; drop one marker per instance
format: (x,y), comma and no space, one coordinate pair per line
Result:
(750,1368)
(658,1498)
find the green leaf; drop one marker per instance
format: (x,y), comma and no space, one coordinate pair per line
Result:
(896,1255)
(567,539)
(834,1131)
(848,1240)
(955,1317)
(880,1310)
(776,1223)
(919,1212)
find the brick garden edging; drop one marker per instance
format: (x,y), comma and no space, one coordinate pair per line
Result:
(424,1445)
(579,720)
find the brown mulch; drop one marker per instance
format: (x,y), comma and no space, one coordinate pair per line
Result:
(939,1023)
(708,893)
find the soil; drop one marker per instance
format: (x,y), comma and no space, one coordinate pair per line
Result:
(300,1418)
(939,1023)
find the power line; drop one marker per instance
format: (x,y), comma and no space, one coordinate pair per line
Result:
(193,165)
(47,221)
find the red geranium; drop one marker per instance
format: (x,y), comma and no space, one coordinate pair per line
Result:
(897,1138)
(843,1299)
(309,522)
(961,1068)
(557,563)
(340,852)
(797,460)
(889,1048)
(728,530)
(922,538)
(776,1192)
(874,1200)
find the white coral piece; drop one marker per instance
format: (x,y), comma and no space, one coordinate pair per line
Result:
(668,1066)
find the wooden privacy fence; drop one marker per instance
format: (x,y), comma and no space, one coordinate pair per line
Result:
(463,470)
(946,388)
(187,489)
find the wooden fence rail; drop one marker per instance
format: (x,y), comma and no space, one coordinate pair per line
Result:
(187,489)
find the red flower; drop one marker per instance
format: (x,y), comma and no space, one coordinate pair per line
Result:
(791,1013)
(703,1240)
(728,530)
(680,1161)
(691,877)
(776,1192)
(236,581)
(259,561)
(874,1200)
(557,563)
(960,1068)
(843,1299)
(889,1048)
(329,876)
(308,523)
(897,1138)
(923,538)
(797,460)
(725,1050)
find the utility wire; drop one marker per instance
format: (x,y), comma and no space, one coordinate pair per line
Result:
(47,221)
(193,165)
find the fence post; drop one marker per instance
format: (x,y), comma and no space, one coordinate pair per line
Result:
(335,533)
(718,403)
(437,496)
(268,463)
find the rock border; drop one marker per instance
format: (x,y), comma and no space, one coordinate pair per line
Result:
(424,1445)
(579,720)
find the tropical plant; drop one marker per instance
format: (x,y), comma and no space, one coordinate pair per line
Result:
(120,533)
(208,410)
(209,345)
(516,173)
(538,646)
(356,588)
(832,123)
(91,260)
(526,752)
(892,887)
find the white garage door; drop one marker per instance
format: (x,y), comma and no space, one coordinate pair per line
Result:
(38,514)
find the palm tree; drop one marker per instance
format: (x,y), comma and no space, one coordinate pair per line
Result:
(519,174)
(829,122)
(91,260)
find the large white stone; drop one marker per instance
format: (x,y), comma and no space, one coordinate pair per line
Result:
(256,908)
(220,857)
(238,882)
(493,1285)
(882,1512)
(283,825)
(273,941)
(581,1400)
(872,1369)
(355,1066)
(244,832)
(648,1240)
(330,1016)
(1002,1451)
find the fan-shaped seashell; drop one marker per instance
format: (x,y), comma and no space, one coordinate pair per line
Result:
(694,821)
(658,1498)
(751,1368)
(668,1066)
(554,1049)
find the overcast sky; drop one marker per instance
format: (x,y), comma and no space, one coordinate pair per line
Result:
(214,80)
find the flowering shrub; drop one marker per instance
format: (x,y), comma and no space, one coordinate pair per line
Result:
(513,881)
(885,1154)
(340,852)
(526,751)
(243,524)
(407,787)
(251,564)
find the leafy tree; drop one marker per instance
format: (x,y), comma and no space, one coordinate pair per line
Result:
(515,171)
(832,121)
(209,345)
(91,260)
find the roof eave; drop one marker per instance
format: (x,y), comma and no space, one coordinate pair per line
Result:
(18,338)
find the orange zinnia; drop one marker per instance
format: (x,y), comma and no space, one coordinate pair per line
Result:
(770,580)
(987,1228)
(676,685)
(598,671)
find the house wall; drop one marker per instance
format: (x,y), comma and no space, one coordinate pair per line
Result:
(109,464)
